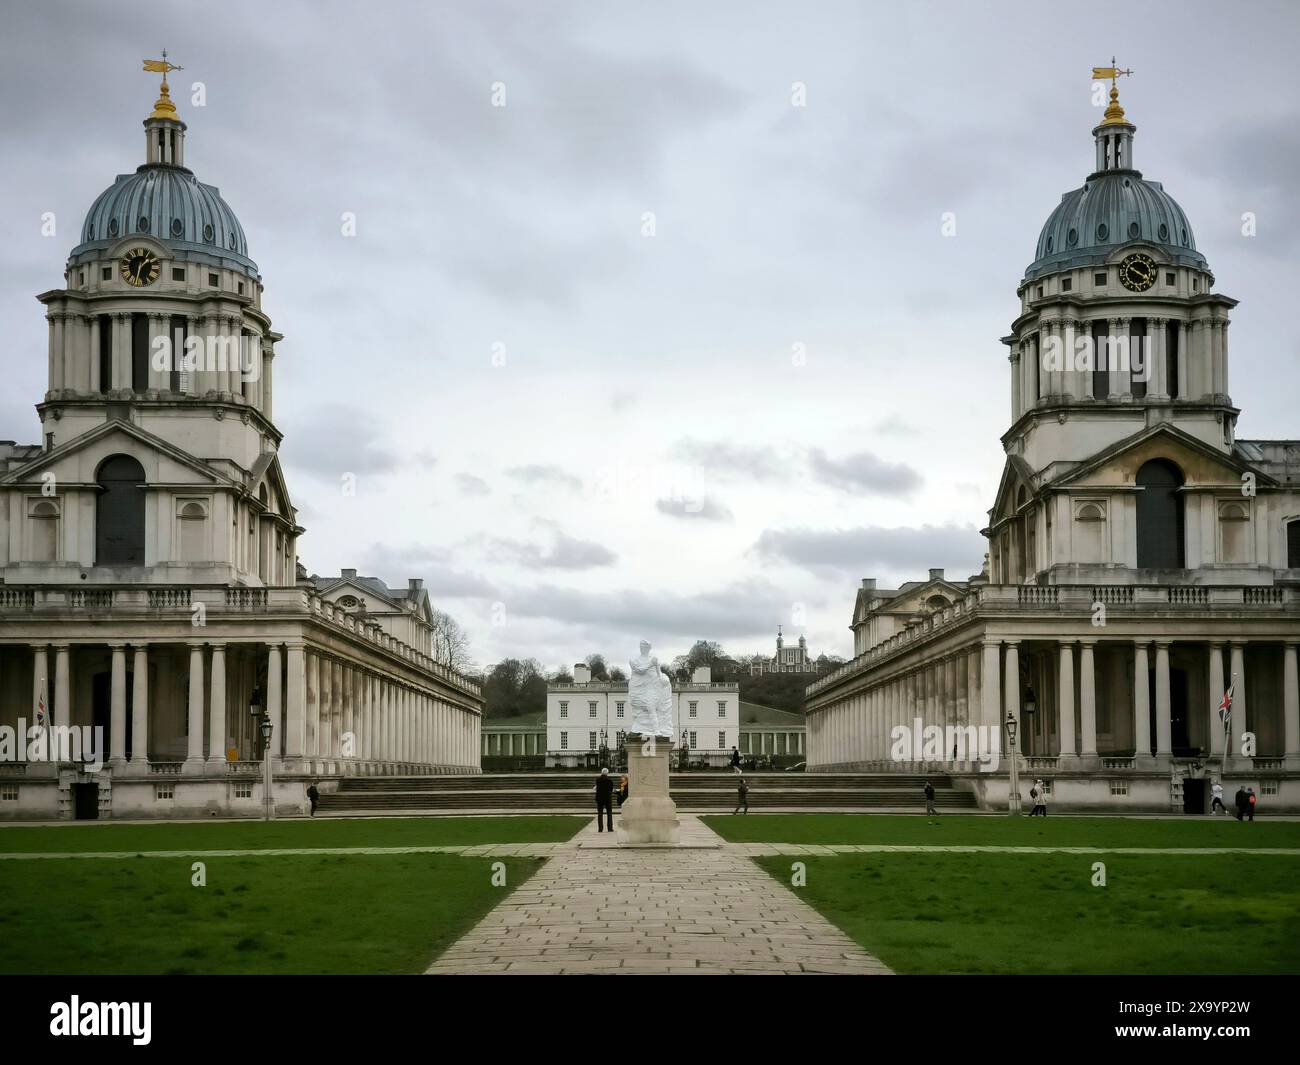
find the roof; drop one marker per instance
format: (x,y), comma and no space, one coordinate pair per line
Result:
(768,715)
(520,721)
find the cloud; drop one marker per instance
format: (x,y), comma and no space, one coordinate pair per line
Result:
(470,485)
(724,461)
(705,508)
(564,552)
(542,474)
(394,564)
(903,552)
(334,439)
(863,473)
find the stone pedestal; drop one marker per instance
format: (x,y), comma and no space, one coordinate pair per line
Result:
(649,817)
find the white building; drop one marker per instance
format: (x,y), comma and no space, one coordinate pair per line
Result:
(586,715)
(148,543)
(1142,556)
(786,660)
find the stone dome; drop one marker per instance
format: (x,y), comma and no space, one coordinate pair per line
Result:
(1113,209)
(169,204)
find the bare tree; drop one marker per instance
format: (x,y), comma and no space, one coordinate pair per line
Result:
(450,642)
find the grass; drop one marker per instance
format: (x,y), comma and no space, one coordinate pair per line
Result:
(246,835)
(1004,831)
(1014,913)
(327,914)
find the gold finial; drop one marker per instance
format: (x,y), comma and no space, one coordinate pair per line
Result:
(163,107)
(1114,113)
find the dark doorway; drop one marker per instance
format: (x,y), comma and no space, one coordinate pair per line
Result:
(1179,733)
(1194,793)
(85,802)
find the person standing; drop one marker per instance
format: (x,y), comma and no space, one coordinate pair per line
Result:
(929,800)
(1039,794)
(1250,803)
(604,790)
(1216,802)
(313,796)
(742,796)
(1240,799)
(735,759)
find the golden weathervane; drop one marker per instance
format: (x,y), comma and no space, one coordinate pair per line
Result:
(1114,113)
(163,108)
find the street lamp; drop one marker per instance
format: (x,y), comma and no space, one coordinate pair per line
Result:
(1031,704)
(265,725)
(1013,802)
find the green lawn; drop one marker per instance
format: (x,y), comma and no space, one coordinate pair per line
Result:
(327,914)
(240,835)
(1012,913)
(1004,831)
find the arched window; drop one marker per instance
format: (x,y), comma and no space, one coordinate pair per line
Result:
(192,519)
(1160,516)
(937,602)
(119,513)
(44,517)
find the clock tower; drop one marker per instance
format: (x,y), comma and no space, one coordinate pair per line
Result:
(1119,327)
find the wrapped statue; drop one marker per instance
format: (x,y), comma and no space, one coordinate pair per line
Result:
(650,694)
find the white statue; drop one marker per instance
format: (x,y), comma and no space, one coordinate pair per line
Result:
(650,693)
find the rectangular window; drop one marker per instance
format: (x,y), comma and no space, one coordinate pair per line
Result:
(1268,787)
(1139,349)
(722,741)
(722,708)
(694,744)
(1172,331)
(214,281)
(1119,787)
(241,288)
(1040,292)
(591,709)
(564,741)
(564,709)
(106,274)
(1099,279)
(1100,367)
(1067,283)
(619,709)
(695,709)
(139,352)
(1170,279)
(105,353)
(591,741)
(178,273)
(164,791)
(8,792)
(243,790)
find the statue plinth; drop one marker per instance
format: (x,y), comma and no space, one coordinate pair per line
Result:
(649,816)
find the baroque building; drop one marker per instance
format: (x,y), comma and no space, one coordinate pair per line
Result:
(786,660)
(149,583)
(1142,557)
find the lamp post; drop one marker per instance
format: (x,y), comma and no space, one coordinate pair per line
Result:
(263,722)
(1013,802)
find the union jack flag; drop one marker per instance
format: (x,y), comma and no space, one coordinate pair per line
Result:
(40,707)
(1225,707)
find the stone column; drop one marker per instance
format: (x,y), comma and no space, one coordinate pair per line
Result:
(348,733)
(1291,706)
(1184,364)
(311,724)
(117,706)
(62,686)
(1065,706)
(1087,703)
(57,364)
(1216,694)
(295,710)
(1011,687)
(1163,728)
(95,384)
(1016,390)
(338,700)
(991,709)
(194,742)
(323,732)
(1141,705)
(1238,656)
(217,710)
(140,708)
(1157,351)
(274,697)
(159,380)
(1115,386)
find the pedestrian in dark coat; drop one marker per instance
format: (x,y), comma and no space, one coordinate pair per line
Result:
(313,796)
(929,800)
(604,790)
(1241,803)
(742,796)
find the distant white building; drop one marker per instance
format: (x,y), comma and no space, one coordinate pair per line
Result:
(586,715)
(786,660)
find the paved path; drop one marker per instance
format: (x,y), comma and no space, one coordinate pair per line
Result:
(705,908)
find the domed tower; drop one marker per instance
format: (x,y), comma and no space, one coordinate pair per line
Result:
(1119,327)
(161,323)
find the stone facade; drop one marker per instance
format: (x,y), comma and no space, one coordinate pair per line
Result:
(149,584)
(1142,558)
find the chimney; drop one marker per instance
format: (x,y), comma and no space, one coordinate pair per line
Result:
(581,673)
(349,575)
(702,675)
(936,575)
(869,584)
(416,583)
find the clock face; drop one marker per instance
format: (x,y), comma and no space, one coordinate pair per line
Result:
(140,267)
(1137,273)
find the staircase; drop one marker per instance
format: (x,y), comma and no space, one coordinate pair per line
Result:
(571,793)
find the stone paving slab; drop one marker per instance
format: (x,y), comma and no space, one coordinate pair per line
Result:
(698,910)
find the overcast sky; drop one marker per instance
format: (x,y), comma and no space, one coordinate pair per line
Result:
(652,350)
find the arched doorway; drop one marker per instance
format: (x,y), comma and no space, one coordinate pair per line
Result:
(1160,538)
(119,513)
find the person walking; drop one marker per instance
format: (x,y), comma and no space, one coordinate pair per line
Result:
(929,800)
(1240,800)
(742,796)
(1250,804)
(1039,794)
(604,790)
(313,796)
(735,759)
(1216,801)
